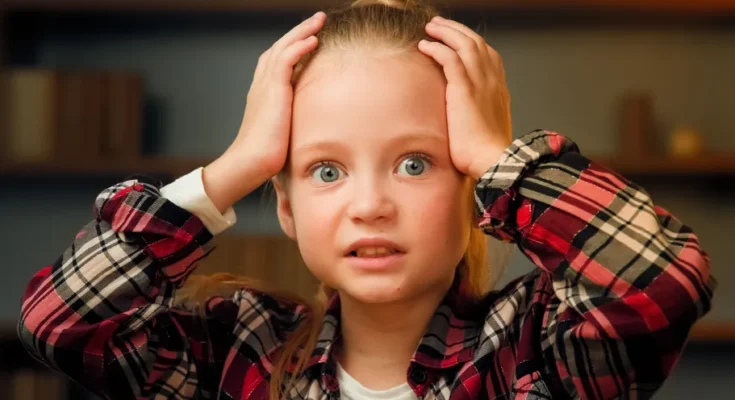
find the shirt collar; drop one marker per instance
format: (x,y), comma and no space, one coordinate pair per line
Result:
(450,338)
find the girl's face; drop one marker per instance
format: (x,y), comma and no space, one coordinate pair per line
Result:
(369,159)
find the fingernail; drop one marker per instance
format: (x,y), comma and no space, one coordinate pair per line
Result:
(431,25)
(438,18)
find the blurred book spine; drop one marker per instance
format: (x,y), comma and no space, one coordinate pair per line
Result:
(124,123)
(34,384)
(31,132)
(72,115)
(637,124)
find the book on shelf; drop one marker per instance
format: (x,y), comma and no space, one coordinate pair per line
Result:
(124,97)
(33,384)
(72,114)
(30,130)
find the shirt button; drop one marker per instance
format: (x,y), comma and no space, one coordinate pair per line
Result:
(418,375)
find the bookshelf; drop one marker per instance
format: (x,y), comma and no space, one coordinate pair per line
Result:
(652,167)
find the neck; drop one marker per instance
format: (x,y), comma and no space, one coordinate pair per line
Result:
(379,340)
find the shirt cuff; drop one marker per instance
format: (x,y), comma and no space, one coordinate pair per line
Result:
(188,193)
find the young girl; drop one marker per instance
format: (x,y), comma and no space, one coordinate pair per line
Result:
(390,151)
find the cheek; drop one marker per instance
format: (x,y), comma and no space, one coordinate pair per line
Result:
(444,218)
(316,222)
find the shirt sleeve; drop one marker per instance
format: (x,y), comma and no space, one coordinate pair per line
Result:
(104,312)
(188,193)
(629,279)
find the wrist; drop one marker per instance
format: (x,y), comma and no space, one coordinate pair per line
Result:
(227,180)
(486,159)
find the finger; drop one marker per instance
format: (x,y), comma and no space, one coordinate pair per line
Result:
(260,67)
(496,62)
(476,37)
(454,68)
(283,67)
(467,49)
(301,31)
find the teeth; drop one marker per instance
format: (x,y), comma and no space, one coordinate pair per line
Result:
(374,251)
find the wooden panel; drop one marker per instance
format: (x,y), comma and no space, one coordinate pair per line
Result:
(661,165)
(274,259)
(3,38)
(700,6)
(707,331)
(648,5)
(159,166)
(3,82)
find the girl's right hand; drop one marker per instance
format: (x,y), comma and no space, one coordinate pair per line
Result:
(259,151)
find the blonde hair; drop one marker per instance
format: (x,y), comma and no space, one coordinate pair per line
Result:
(385,23)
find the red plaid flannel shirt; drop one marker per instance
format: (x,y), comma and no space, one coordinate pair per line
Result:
(606,314)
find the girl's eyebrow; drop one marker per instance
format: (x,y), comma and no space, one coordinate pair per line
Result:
(425,138)
(422,137)
(321,147)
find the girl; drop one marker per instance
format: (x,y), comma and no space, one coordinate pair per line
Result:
(391,155)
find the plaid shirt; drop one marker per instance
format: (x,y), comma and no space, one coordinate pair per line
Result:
(606,315)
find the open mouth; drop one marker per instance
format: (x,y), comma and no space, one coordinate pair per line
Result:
(373,252)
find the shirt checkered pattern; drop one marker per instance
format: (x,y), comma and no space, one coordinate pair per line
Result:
(620,282)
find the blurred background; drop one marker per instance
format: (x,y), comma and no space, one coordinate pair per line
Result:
(93,91)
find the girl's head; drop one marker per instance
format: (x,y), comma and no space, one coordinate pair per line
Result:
(369,159)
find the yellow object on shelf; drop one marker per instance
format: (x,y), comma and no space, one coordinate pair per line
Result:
(685,142)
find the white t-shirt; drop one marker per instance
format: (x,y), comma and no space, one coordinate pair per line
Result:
(350,389)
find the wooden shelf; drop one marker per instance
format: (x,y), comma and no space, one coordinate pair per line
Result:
(711,7)
(708,332)
(704,165)
(662,165)
(159,166)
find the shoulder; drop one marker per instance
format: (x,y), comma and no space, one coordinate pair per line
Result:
(499,317)
(253,322)
(256,308)
(516,297)
(514,310)
(508,347)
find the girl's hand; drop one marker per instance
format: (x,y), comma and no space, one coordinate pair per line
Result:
(259,151)
(478,103)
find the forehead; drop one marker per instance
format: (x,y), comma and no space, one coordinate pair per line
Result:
(351,94)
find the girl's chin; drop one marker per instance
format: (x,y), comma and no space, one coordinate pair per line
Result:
(375,297)
(377,292)
(381,291)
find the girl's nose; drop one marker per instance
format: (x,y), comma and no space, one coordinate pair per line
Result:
(371,202)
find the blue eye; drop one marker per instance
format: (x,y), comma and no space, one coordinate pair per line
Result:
(326,173)
(413,165)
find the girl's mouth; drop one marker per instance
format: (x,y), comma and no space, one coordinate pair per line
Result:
(376,258)
(372,252)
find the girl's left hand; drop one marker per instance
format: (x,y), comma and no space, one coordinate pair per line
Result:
(478,103)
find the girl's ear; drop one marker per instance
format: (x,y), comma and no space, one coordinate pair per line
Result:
(283,208)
